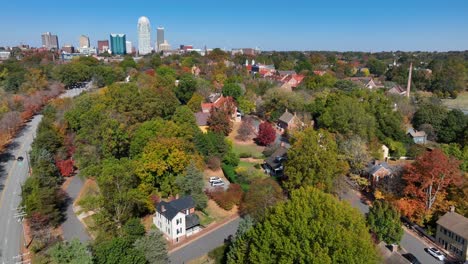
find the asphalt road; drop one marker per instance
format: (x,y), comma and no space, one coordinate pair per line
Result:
(72,227)
(13,173)
(410,243)
(204,244)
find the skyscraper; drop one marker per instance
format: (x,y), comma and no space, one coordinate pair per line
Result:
(84,41)
(144,36)
(117,42)
(50,41)
(128,46)
(160,38)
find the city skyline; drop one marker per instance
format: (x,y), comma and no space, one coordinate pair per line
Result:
(306,25)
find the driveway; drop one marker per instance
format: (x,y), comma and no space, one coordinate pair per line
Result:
(204,244)
(72,227)
(410,242)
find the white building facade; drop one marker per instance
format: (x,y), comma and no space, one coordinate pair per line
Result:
(144,36)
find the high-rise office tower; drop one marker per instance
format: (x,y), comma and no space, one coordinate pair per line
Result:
(103,46)
(84,41)
(50,41)
(128,46)
(144,36)
(117,42)
(160,38)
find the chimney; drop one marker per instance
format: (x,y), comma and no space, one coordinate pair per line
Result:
(408,87)
(452,209)
(163,208)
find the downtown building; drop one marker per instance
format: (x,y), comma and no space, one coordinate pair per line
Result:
(103,46)
(50,41)
(84,42)
(159,38)
(118,44)
(144,36)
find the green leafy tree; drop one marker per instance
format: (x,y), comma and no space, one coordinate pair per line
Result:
(312,160)
(376,66)
(384,221)
(153,246)
(192,183)
(232,89)
(128,62)
(117,251)
(133,229)
(187,86)
(313,227)
(73,252)
(453,127)
(315,82)
(429,113)
(195,102)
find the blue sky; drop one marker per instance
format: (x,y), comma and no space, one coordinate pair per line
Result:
(271,25)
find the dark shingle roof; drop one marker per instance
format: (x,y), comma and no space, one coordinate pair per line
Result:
(175,206)
(272,161)
(456,223)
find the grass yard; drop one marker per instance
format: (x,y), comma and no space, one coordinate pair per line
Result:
(461,102)
(90,226)
(252,149)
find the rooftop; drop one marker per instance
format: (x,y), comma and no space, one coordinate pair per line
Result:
(172,208)
(455,222)
(286,117)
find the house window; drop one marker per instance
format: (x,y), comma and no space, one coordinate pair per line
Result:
(177,221)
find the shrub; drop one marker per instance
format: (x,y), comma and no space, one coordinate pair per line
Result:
(213,163)
(227,199)
(231,158)
(245,155)
(230,173)
(257,166)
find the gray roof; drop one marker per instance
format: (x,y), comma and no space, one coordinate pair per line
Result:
(455,222)
(202,118)
(172,208)
(286,72)
(191,221)
(377,167)
(286,117)
(414,133)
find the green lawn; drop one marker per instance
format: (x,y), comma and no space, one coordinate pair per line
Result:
(205,219)
(254,150)
(461,102)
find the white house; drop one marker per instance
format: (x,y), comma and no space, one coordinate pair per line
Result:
(177,219)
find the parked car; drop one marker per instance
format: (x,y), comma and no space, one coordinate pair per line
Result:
(436,253)
(411,258)
(20,158)
(215,179)
(217,183)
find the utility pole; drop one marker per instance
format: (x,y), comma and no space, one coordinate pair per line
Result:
(408,87)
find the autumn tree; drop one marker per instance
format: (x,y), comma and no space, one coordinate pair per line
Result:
(312,227)
(245,130)
(428,177)
(312,160)
(262,194)
(220,121)
(384,221)
(266,134)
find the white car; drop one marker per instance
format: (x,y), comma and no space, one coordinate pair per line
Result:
(215,179)
(436,253)
(217,183)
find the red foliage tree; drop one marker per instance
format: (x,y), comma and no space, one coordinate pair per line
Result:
(65,167)
(266,134)
(227,199)
(428,177)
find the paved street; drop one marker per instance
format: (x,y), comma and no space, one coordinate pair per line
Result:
(13,173)
(410,243)
(72,227)
(204,244)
